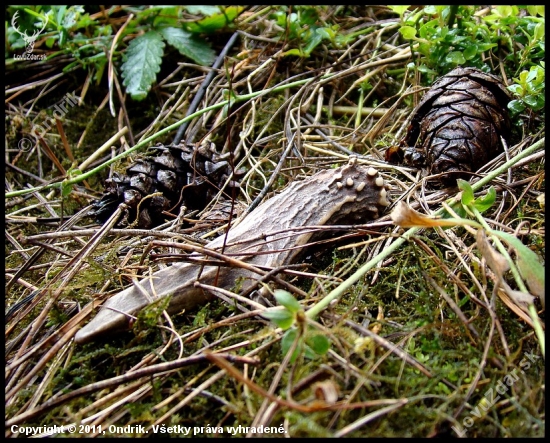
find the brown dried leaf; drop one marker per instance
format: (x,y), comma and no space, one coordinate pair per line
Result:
(406,217)
(495,260)
(520,298)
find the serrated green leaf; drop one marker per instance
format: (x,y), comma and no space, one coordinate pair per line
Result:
(189,45)
(283,318)
(319,344)
(144,57)
(215,22)
(467,192)
(485,202)
(527,262)
(286,299)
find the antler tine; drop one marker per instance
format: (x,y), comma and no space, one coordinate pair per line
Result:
(24,34)
(44,25)
(14,18)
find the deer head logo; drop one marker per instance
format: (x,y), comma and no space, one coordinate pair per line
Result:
(29,40)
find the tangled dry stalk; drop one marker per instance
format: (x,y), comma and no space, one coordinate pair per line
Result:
(417,340)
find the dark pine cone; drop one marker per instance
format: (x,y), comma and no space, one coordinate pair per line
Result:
(184,174)
(458,124)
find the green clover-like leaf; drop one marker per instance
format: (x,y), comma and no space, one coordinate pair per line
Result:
(408,32)
(282,317)
(467,192)
(485,202)
(319,344)
(286,299)
(287,342)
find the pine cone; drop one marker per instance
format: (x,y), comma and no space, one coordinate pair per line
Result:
(458,124)
(183,174)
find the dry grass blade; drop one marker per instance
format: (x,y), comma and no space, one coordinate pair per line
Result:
(319,405)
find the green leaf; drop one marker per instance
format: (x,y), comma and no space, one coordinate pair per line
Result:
(408,32)
(189,45)
(535,102)
(319,344)
(539,32)
(505,11)
(482,47)
(455,57)
(308,16)
(467,192)
(424,69)
(215,22)
(470,52)
(458,209)
(399,9)
(231,97)
(286,299)
(66,188)
(287,341)
(528,263)
(430,9)
(167,16)
(534,10)
(297,52)
(516,106)
(485,202)
(144,57)
(203,10)
(282,317)
(310,353)
(149,316)
(516,89)
(314,40)
(429,29)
